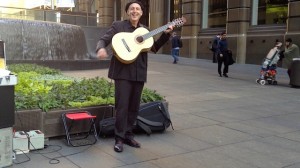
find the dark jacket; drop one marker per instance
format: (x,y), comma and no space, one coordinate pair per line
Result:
(137,70)
(175,42)
(222,47)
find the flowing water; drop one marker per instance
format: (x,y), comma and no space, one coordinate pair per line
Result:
(39,40)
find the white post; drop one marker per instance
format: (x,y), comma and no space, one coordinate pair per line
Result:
(205,14)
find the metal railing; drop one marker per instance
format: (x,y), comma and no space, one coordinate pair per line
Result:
(76,18)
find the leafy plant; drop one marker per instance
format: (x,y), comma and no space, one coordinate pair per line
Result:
(150,96)
(48,89)
(16,68)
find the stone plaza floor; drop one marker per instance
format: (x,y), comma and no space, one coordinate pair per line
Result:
(218,122)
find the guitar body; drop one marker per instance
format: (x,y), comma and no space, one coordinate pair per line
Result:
(126,46)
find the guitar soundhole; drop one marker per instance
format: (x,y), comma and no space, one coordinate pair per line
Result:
(139,39)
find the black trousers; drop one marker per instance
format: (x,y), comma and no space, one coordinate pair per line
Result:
(214,59)
(127,103)
(223,60)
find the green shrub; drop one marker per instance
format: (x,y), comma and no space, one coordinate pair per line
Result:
(46,89)
(149,95)
(16,68)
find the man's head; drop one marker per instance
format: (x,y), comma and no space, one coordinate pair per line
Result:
(288,42)
(134,10)
(223,35)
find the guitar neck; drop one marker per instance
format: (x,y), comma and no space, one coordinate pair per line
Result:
(156,31)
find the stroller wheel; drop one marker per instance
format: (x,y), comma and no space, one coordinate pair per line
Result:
(270,82)
(274,83)
(262,82)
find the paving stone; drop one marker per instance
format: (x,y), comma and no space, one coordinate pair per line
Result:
(217,135)
(184,121)
(294,136)
(263,155)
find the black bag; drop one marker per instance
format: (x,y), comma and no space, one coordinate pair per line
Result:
(153,117)
(230,58)
(107,127)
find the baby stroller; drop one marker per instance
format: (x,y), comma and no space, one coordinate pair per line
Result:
(268,70)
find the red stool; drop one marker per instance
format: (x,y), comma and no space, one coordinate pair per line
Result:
(69,118)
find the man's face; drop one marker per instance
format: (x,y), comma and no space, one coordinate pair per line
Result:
(134,12)
(287,43)
(223,36)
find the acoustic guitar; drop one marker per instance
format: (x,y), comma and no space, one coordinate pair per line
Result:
(127,46)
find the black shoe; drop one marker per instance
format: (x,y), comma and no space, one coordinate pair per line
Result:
(220,75)
(118,146)
(132,143)
(225,75)
(175,62)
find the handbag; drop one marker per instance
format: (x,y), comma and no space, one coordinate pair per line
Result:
(230,58)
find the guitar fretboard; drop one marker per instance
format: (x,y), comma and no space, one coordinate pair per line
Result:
(156,31)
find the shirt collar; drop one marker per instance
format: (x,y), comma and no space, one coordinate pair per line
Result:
(130,25)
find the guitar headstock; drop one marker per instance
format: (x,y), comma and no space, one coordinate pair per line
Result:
(179,21)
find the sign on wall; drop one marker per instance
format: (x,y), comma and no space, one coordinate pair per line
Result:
(65,3)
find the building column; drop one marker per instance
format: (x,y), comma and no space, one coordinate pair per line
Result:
(106,12)
(293,23)
(156,11)
(238,20)
(191,11)
(83,6)
(156,16)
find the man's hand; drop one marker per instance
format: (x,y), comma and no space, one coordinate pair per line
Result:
(221,55)
(169,29)
(102,54)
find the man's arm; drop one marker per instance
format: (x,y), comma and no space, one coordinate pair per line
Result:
(105,40)
(165,36)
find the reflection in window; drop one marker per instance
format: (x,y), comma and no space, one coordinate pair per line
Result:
(217,13)
(269,12)
(175,11)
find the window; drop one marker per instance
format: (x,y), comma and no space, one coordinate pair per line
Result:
(269,12)
(216,13)
(175,11)
(176,6)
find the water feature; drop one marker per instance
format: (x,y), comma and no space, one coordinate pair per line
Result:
(39,40)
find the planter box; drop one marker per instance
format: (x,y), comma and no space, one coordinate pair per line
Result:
(50,123)
(27,120)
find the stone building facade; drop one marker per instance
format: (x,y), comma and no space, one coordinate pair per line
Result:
(249,43)
(252,26)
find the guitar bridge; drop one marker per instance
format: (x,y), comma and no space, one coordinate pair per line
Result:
(126,46)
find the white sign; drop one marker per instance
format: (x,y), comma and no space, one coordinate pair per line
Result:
(47,2)
(65,3)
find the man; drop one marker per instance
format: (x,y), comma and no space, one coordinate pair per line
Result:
(291,51)
(129,79)
(175,47)
(214,47)
(222,51)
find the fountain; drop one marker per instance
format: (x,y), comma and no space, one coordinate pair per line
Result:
(44,43)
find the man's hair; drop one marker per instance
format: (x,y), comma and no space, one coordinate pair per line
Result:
(222,33)
(288,40)
(137,2)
